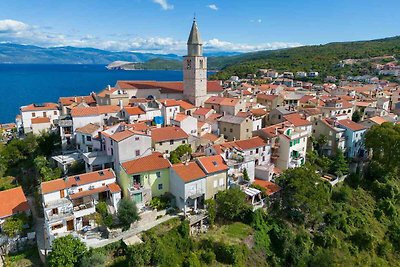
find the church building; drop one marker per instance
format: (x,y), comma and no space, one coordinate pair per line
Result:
(194,88)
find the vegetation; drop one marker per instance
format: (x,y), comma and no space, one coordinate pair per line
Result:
(67,251)
(26,258)
(15,224)
(179,152)
(105,219)
(161,202)
(322,58)
(127,213)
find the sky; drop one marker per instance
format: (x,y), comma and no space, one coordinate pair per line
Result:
(162,26)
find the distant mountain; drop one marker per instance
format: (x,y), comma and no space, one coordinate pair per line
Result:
(29,54)
(322,58)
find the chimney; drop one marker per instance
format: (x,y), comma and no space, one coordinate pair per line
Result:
(120,104)
(276,131)
(109,87)
(75,99)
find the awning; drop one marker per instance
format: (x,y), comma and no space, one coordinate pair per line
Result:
(252,191)
(195,196)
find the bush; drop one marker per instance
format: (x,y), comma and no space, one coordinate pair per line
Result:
(230,254)
(211,210)
(67,251)
(191,261)
(106,219)
(207,256)
(14,225)
(93,258)
(161,202)
(231,204)
(127,213)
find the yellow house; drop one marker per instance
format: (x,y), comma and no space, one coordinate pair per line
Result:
(145,177)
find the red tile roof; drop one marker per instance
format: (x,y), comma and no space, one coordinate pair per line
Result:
(134,111)
(377,120)
(81,179)
(180,117)
(188,172)
(202,111)
(93,111)
(258,111)
(139,126)
(40,120)
(266,97)
(270,187)
(351,125)
(297,120)
(119,136)
(88,192)
(213,164)
(40,107)
(210,137)
(169,102)
(166,87)
(88,129)
(251,143)
(12,201)
(168,133)
(66,101)
(114,188)
(186,105)
(223,101)
(153,162)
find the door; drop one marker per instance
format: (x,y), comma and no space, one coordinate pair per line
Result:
(62,195)
(70,225)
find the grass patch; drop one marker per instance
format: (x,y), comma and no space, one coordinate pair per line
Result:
(233,233)
(164,227)
(26,258)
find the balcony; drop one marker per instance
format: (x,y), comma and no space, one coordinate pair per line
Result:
(296,162)
(84,209)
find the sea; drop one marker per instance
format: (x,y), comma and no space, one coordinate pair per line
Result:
(23,84)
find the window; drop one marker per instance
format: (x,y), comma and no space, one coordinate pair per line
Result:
(112,151)
(251,152)
(224,129)
(44,114)
(160,143)
(160,186)
(62,195)
(171,142)
(88,138)
(158,174)
(136,138)
(256,150)
(137,153)
(80,190)
(221,182)
(33,114)
(55,112)
(247,130)
(103,184)
(183,141)
(215,183)
(230,130)
(111,141)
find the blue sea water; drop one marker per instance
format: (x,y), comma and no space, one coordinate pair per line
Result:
(25,84)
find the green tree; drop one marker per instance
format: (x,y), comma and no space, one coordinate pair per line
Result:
(67,251)
(356,117)
(93,258)
(339,165)
(179,152)
(231,204)
(245,175)
(306,194)
(127,213)
(45,172)
(14,225)
(211,210)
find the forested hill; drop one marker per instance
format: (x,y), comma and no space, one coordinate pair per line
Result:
(321,58)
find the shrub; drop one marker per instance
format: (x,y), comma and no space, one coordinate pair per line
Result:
(191,261)
(161,202)
(207,256)
(93,258)
(127,213)
(67,251)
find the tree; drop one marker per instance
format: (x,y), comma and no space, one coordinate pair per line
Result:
(211,210)
(340,166)
(67,251)
(179,152)
(127,213)
(93,258)
(45,172)
(245,175)
(14,225)
(305,196)
(231,204)
(356,117)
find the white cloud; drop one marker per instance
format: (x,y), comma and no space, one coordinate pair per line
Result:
(18,32)
(164,4)
(213,7)
(256,20)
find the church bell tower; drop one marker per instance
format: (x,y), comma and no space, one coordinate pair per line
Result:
(195,69)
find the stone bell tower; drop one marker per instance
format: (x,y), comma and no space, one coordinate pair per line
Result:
(195,69)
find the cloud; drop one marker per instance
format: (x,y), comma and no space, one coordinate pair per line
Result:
(218,45)
(256,20)
(12,26)
(213,7)
(18,32)
(164,4)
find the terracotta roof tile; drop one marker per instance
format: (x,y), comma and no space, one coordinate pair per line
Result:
(93,111)
(88,129)
(202,111)
(81,179)
(377,120)
(185,105)
(12,201)
(153,162)
(210,137)
(134,111)
(89,192)
(297,120)
(168,133)
(351,125)
(39,107)
(188,172)
(270,187)
(258,111)
(266,97)
(165,87)
(66,101)
(114,188)
(213,164)
(251,143)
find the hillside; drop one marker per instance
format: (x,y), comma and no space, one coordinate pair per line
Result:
(322,58)
(28,54)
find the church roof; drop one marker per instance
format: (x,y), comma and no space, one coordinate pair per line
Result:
(194,37)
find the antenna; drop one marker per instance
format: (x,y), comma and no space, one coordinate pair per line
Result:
(194,16)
